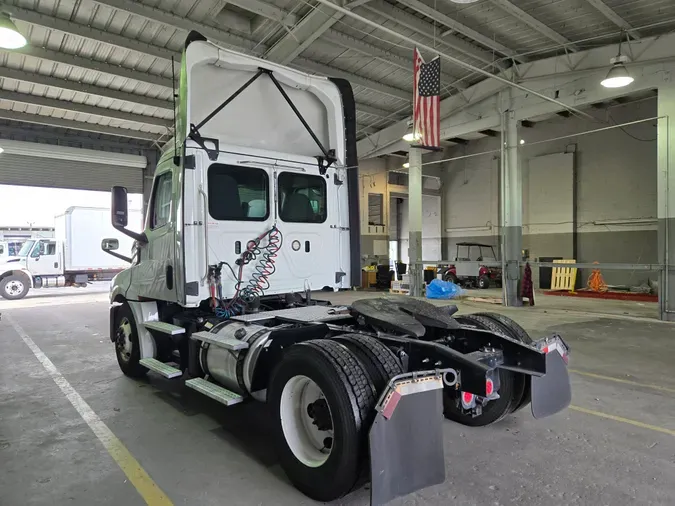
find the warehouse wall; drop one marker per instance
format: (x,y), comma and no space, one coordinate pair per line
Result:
(614,174)
(373,179)
(374,239)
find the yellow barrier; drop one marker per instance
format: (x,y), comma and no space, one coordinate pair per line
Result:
(563,278)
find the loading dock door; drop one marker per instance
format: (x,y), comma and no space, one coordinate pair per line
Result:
(32,164)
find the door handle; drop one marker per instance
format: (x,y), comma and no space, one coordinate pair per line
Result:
(56,265)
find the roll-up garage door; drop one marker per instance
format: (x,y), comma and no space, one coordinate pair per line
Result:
(30,164)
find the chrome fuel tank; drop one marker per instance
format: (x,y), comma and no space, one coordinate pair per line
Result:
(234,369)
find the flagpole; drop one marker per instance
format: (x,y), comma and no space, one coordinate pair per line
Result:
(415,222)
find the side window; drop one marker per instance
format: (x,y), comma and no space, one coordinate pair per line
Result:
(238,193)
(38,249)
(302,198)
(50,248)
(161,201)
(2,249)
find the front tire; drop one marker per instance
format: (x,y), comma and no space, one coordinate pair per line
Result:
(483,282)
(14,287)
(127,348)
(322,405)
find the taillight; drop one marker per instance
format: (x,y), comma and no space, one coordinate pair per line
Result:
(489,387)
(468,400)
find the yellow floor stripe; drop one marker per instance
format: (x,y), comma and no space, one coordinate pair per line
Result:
(635,423)
(627,382)
(140,479)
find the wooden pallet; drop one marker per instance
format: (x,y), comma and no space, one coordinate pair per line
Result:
(399,292)
(489,300)
(563,278)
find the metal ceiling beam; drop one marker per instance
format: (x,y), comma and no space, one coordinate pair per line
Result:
(535,24)
(318,68)
(301,36)
(266,10)
(65,84)
(383,9)
(356,3)
(579,87)
(89,64)
(396,60)
(76,125)
(63,25)
(159,52)
(504,79)
(432,13)
(234,22)
(65,105)
(375,111)
(609,13)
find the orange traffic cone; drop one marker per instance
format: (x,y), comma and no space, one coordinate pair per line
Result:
(595,281)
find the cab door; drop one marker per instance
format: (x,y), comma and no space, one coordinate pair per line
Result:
(155,275)
(45,259)
(308,218)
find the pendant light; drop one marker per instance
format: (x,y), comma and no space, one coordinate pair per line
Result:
(10,38)
(618,75)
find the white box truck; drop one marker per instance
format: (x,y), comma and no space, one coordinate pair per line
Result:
(72,258)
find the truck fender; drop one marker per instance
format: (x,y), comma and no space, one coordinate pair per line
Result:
(143,312)
(19,272)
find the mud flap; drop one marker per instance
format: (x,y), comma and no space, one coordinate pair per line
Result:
(406,438)
(551,392)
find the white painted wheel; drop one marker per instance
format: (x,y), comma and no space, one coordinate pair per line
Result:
(14,288)
(306,421)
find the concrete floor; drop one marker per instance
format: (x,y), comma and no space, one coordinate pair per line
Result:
(619,450)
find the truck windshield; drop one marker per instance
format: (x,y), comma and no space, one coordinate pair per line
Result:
(25,249)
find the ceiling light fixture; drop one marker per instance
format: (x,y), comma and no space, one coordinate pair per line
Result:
(10,38)
(522,141)
(406,165)
(618,75)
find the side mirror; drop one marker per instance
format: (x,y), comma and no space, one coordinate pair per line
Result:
(119,211)
(110,244)
(119,215)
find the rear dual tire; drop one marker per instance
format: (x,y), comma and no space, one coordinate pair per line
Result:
(334,384)
(349,396)
(514,391)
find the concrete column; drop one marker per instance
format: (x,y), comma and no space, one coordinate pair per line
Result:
(415,222)
(512,210)
(666,199)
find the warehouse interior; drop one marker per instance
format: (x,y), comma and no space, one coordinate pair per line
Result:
(542,160)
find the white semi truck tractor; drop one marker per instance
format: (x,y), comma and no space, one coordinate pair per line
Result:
(253,206)
(72,258)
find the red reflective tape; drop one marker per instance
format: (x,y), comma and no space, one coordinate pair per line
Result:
(391,404)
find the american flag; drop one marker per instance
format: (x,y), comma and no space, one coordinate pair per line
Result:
(427,101)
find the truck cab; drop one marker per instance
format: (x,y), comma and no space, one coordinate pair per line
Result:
(38,263)
(267,175)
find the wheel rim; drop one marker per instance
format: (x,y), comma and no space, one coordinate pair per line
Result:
(123,342)
(306,421)
(14,288)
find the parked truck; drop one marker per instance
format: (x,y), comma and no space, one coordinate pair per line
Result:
(72,258)
(9,249)
(255,204)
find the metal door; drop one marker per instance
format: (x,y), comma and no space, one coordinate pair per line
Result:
(45,259)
